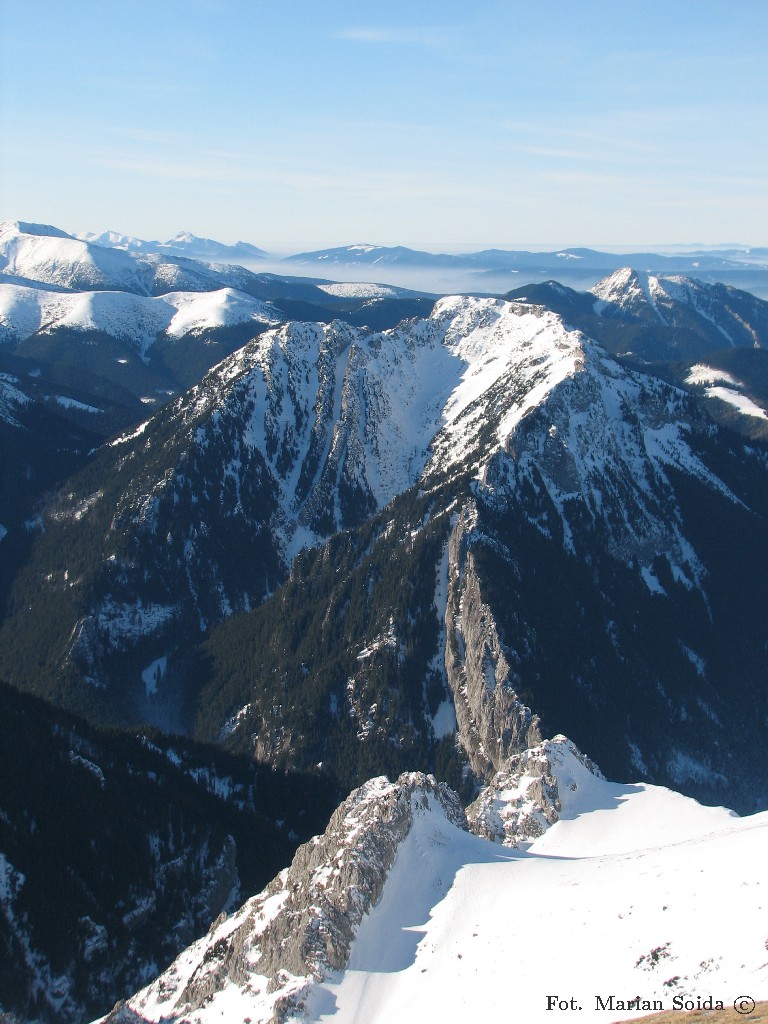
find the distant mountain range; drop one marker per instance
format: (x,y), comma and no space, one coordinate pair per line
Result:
(182,244)
(491,269)
(497,270)
(504,259)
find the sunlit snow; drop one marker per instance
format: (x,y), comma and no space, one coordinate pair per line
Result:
(72,403)
(745,405)
(361,290)
(135,319)
(700,373)
(635,891)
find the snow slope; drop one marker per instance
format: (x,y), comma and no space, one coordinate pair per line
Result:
(326,401)
(361,290)
(136,319)
(343,420)
(634,893)
(722,385)
(34,252)
(741,402)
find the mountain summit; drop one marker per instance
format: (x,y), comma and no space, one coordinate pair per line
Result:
(481,454)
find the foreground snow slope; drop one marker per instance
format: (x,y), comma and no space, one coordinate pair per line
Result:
(635,892)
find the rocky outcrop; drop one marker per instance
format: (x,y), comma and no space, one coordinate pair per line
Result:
(303,924)
(526,796)
(493,723)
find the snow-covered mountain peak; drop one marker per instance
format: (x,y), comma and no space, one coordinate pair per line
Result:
(535,788)
(197,311)
(135,319)
(513,355)
(554,782)
(541,404)
(629,292)
(706,316)
(184,244)
(616,283)
(331,402)
(116,240)
(49,257)
(341,420)
(27,228)
(587,461)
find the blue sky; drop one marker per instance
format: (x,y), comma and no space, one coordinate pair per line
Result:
(293,124)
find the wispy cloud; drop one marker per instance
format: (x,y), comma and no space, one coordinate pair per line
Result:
(685,139)
(429,36)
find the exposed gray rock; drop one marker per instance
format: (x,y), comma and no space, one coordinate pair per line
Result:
(525,798)
(303,924)
(493,723)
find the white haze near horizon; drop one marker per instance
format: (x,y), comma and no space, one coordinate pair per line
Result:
(447,281)
(435,281)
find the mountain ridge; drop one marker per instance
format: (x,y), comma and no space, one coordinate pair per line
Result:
(391,534)
(380,913)
(540,440)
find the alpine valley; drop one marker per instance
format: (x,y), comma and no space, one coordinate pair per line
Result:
(269,542)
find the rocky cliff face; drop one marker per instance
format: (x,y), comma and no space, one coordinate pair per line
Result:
(492,721)
(526,795)
(302,925)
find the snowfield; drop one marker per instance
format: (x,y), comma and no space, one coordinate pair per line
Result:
(360,290)
(702,374)
(722,385)
(635,897)
(636,891)
(741,402)
(38,252)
